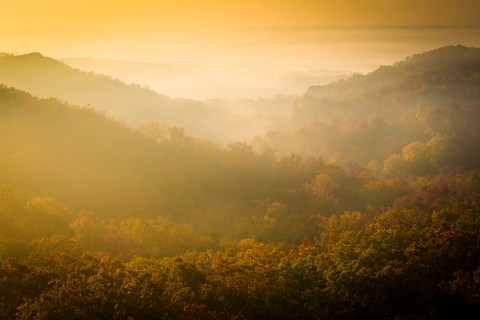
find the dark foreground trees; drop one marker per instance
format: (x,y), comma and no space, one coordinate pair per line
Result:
(405,264)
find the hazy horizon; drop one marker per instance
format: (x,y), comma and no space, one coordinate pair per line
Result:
(183,159)
(277,60)
(210,49)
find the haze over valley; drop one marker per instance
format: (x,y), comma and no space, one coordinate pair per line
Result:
(240,159)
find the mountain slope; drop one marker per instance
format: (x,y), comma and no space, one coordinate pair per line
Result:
(370,117)
(450,62)
(90,162)
(438,77)
(130,103)
(220,121)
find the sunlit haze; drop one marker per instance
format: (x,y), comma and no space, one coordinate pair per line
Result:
(248,159)
(220,49)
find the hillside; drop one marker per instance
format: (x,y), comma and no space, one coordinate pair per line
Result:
(429,122)
(129,103)
(447,75)
(102,221)
(93,163)
(435,94)
(458,62)
(97,167)
(108,223)
(423,120)
(219,121)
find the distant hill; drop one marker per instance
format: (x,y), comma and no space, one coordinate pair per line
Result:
(437,76)
(129,103)
(220,121)
(370,117)
(99,220)
(358,119)
(376,142)
(90,162)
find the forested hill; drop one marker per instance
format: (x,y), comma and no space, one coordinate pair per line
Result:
(432,95)
(450,65)
(91,162)
(102,221)
(129,103)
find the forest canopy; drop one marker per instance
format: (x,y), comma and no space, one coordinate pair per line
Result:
(362,202)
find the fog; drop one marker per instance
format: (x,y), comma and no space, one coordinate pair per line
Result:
(237,181)
(235,85)
(232,63)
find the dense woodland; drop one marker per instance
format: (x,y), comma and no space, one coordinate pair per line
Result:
(220,121)
(364,204)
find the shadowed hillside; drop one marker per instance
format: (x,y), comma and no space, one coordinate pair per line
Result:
(99,220)
(52,148)
(433,95)
(135,105)
(129,103)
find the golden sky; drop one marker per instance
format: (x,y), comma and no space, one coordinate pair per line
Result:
(191,15)
(242,42)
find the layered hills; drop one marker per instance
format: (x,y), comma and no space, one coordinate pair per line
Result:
(133,104)
(370,117)
(419,116)
(92,162)
(362,203)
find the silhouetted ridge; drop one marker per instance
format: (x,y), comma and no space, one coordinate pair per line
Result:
(78,155)
(387,227)
(458,54)
(426,96)
(444,59)
(129,103)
